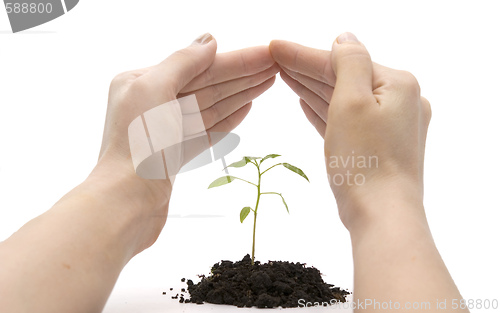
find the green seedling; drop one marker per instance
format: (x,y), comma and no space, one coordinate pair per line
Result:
(257,162)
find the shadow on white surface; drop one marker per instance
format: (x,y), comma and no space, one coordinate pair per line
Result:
(153,301)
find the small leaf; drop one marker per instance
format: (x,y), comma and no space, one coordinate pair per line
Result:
(222,181)
(295,170)
(270,156)
(248,158)
(286,206)
(244,213)
(240,163)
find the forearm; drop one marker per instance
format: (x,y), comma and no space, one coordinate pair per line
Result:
(396,261)
(69,258)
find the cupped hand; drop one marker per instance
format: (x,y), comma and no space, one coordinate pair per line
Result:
(224,84)
(372,118)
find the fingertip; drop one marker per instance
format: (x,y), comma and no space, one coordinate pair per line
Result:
(305,107)
(244,110)
(313,118)
(272,80)
(290,81)
(262,58)
(351,63)
(205,41)
(212,45)
(273,44)
(275,68)
(346,37)
(275,47)
(267,83)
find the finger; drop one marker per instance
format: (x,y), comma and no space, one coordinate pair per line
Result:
(313,118)
(192,149)
(233,65)
(210,95)
(229,123)
(181,67)
(317,104)
(323,90)
(304,60)
(228,106)
(353,68)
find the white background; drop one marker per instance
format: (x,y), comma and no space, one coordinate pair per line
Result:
(53,92)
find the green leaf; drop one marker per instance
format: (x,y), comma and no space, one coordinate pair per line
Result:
(240,163)
(279,194)
(295,170)
(244,213)
(269,156)
(286,206)
(248,158)
(222,181)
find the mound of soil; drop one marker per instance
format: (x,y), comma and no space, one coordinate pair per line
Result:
(268,285)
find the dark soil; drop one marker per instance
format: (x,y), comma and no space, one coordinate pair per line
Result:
(268,285)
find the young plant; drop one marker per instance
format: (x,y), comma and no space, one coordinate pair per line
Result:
(257,162)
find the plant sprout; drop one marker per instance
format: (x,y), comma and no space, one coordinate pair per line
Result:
(257,162)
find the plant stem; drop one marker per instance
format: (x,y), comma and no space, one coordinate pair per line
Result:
(255,215)
(271,168)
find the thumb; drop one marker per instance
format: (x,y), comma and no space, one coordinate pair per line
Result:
(182,66)
(353,68)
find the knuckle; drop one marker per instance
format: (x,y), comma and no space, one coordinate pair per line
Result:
(355,102)
(426,108)
(357,53)
(256,80)
(326,68)
(216,93)
(211,117)
(326,92)
(300,89)
(119,80)
(188,56)
(248,94)
(139,87)
(183,53)
(408,82)
(209,76)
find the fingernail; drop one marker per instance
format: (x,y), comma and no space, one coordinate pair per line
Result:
(345,37)
(203,39)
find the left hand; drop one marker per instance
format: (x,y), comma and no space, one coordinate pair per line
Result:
(224,85)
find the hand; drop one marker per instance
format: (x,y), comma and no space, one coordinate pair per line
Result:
(373,119)
(224,85)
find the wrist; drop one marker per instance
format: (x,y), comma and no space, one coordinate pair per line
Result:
(382,202)
(141,204)
(146,193)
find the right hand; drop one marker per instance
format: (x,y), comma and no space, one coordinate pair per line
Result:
(366,112)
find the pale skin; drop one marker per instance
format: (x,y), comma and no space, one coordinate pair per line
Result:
(357,105)
(69,258)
